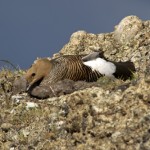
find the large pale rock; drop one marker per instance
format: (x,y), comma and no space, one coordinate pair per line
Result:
(127,29)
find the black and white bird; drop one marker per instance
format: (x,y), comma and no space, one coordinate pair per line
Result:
(97,62)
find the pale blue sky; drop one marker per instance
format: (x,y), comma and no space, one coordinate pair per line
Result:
(39,28)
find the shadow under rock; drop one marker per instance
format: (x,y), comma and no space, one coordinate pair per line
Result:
(62,87)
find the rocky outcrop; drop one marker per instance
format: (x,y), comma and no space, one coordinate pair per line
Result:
(129,41)
(107,114)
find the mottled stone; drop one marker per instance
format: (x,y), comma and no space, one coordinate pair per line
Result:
(62,87)
(8,145)
(6,127)
(127,29)
(19,85)
(77,37)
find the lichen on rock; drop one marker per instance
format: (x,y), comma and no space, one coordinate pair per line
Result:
(128,29)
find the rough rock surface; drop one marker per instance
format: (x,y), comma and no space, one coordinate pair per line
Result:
(107,114)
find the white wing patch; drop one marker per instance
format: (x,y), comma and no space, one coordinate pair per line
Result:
(104,67)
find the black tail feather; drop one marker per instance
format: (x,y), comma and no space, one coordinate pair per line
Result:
(124,70)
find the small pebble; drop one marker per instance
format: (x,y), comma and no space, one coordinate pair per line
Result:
(6,127)
(31,105)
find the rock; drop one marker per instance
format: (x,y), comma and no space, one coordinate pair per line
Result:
(31,105)
(19,85)
(60,88)
(81,42)
(41,92)
(127,29)
(8,145)
(6,127)
(17,98)
(77,37)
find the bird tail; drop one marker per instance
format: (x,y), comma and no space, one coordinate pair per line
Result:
(124,70)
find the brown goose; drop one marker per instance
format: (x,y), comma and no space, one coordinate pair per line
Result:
(75,67)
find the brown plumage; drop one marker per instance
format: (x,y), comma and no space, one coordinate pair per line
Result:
(75,67)
(66,67)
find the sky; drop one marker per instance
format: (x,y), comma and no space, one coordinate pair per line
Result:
(40,28)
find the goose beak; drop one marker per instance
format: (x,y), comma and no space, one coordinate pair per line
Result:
(28,87)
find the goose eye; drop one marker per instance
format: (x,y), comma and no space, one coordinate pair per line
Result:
(33,74)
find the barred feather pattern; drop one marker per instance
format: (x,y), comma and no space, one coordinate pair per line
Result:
(70,67)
